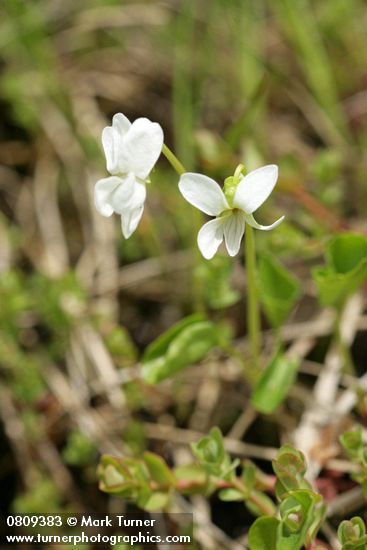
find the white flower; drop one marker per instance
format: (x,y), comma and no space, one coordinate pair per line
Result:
(131,152)
(231,210)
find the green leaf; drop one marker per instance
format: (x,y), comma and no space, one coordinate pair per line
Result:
(159,347)
(278,289)
(274,384)
(260,502)
(115,477)
(249,475)
(210,452)
(158,469)
(194,474)
(192,344)
(345,270)
(155,501)
(263,534)
(210,448)
(181,346)
(345,252)
(352,442)
(290,468)
(297,516)
(230,495)
(352,534)
(318,519)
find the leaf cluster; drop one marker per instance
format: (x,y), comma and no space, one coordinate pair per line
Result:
(149,481)
(301,510)
(352,534)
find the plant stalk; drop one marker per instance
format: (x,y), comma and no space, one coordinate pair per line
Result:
(173,160)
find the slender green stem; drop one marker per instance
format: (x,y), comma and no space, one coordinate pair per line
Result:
(253,310)
(173,160)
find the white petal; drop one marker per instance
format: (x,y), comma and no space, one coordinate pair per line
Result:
(210,237)
(103,192)
(121,123)
(234,228)
(203,193)
(130,220)
(108,142)
(251,221)
(112,141)
(255,187)
(141,148)
(130,194)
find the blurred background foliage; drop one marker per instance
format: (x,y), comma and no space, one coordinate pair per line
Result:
(252,81)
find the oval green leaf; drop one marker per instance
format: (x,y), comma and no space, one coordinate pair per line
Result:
(278,289)
(274,384)
(263,534)
(186,345)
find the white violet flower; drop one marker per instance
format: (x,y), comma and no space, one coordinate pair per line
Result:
(131,152)
(232,208)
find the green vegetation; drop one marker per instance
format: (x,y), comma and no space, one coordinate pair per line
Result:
(131,350)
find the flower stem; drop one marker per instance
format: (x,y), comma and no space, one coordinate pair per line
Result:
(253,310)
(173,160)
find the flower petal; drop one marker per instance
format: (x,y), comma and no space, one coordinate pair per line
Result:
(108,141)
(112,141)
(142,146)
(130,220)
(103,192)
(234,228)
(130,194)
(255,187)
(251,221)
(203,193)
(121,123)
(210,237)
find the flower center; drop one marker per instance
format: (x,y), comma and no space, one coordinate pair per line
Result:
(231,184)
(229,189)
